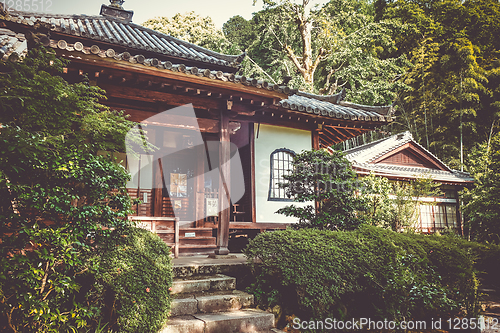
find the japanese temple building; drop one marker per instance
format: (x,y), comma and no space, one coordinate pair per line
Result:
(146,73)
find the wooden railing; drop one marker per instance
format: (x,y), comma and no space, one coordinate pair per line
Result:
(149,223)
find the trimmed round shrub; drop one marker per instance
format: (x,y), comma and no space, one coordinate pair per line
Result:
(369,272)
(134,281)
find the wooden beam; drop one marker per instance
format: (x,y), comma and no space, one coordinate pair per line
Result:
(330,137)
(258,226)
(205,125)
(150,96)
(340,133)
(111,63)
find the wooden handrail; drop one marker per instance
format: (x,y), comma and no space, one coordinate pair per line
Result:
(152,219)
(176,238)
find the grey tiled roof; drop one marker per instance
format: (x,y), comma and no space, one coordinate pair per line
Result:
(399,171)
(323,106)
(371,151)
(125,34)
(13,46)
(362,158)
(141,42)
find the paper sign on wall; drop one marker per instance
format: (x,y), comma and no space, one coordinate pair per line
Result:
(212,207)
(178,185)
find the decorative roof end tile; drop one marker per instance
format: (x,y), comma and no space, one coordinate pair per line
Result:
(115,10)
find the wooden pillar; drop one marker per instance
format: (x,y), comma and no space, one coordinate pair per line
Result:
(315,146)
(224,184)
(199,190)
(315,139)
(157,188)
(252,172)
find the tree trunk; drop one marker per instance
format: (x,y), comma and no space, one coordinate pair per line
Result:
(307,65)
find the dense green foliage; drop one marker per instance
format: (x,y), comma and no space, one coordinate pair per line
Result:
(135,275)
(482,203)
(56,194)
(437,59)
(370,273)
(326,178)
(454,78)
(323,49)
(193,28)
(401,211)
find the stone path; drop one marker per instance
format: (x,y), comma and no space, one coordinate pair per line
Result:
(490,304)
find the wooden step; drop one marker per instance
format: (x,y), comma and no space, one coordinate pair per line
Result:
(197,241)
(197,232)
(196,249)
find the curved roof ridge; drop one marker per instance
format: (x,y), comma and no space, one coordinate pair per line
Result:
(227,57)
(336,98)
(387,110)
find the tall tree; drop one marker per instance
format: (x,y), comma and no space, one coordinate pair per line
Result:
(326,49)
(192,28)
(240,32)
(451,105)
(482,203)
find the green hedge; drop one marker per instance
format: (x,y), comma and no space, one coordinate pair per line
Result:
(370,272)
(135,281)
(486,259)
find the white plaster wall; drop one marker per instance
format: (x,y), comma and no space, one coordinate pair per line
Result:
(272,138)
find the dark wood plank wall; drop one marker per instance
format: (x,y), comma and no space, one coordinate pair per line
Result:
(408,158)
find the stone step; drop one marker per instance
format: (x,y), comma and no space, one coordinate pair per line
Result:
(211,302)
(203,283)
(244,321)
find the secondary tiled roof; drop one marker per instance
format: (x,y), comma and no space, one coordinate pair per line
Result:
(399,171)
(333,107)
(125,34)
(371,151)
(362,158)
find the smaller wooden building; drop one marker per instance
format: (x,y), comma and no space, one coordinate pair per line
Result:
(401,158)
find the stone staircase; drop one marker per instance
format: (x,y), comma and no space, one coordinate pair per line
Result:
(211,304)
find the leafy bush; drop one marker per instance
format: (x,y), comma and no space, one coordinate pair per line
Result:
(54,205)
(369,272)
(486,258)
(401,212)
(56,194)
(328,179)
(134,278)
